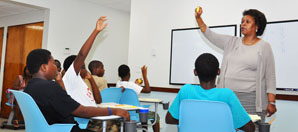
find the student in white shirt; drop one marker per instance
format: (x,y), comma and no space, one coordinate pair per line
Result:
(124,74)
(74,84)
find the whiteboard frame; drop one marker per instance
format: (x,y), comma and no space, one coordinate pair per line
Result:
(294,89)
(171,53)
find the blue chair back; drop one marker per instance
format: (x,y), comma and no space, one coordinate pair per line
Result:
(130,97)
(111,95)
(34,119)
(205,116)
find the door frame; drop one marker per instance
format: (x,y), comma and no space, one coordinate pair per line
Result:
(31,17)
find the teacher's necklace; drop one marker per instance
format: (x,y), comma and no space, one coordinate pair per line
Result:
(252,42)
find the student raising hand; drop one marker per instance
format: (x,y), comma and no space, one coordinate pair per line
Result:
(80,58)
(146,88)
(144,70)
(100,25)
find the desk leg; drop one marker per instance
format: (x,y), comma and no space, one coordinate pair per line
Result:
(155,115)
(104,126)
(121,126)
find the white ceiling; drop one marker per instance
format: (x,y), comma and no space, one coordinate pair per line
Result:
(8,8)
(122,5)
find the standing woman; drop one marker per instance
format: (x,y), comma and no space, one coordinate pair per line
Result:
(248,64)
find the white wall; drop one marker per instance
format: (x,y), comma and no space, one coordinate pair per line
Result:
(72,21)
(68,24)
(150,38)
(153,20)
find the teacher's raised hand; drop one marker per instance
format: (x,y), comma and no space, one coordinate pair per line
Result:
(198,12)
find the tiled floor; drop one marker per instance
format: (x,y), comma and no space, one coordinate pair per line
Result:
(8,130)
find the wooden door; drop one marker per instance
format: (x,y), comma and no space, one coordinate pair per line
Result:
(21,40)
(1,42)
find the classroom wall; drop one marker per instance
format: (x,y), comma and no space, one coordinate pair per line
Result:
(152,22)
(72,21)
(68,24)
(144,36)
(150,39)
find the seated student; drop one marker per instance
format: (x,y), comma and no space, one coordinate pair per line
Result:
(90,82)
(93,81)
(206,67)
(97,70)
(19,84)
(55,104)
(74,84)
(124,74)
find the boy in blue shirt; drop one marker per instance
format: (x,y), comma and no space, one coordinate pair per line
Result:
(207,68)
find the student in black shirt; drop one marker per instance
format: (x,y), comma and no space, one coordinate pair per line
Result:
(55,104)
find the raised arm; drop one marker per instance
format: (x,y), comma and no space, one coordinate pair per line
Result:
(79,61)
(146,88)
(201,24)
(219,40)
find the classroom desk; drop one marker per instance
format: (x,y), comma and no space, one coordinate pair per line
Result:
(113,117)
(120,106)
(156,102)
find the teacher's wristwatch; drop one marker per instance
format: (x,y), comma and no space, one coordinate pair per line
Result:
(273,103)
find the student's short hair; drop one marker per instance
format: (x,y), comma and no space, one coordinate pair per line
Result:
(206,66)
(68,61)
(94,64)
(59,64)
(123,70)
(36,58)
(260,20)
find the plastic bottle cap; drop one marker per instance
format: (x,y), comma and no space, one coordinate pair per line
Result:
(144,110)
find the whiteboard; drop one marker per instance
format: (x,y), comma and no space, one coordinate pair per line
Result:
(283,38)
(186,46)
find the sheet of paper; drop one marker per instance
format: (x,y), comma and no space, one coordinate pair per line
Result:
(254,118)
(106,117)
(121,106)
(149,100)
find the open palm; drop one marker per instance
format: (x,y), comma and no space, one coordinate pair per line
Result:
(100,25)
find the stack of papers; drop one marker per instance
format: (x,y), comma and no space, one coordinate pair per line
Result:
(149,100)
